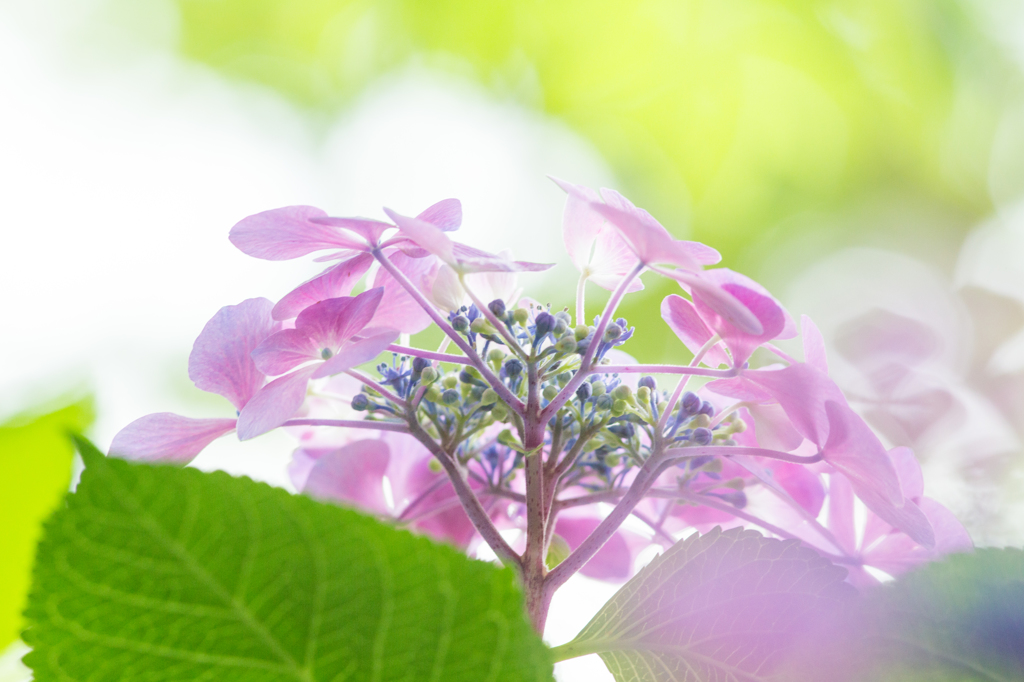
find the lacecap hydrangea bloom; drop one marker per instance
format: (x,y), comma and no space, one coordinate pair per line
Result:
(537,420)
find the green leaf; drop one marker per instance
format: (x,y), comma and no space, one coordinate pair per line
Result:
(723,606)
(35,458)
(160,573)
(959,619)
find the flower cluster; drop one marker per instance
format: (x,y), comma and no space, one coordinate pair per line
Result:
(537,434)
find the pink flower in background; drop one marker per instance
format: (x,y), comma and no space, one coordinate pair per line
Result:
(220,363)
(329,337)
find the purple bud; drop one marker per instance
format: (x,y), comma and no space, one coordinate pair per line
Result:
(691,403)
(450,396)
(649,382)
(702,436)
(707,408)
(584,391)
(497,306)
(545,323)
(613,332)
(360,402)
(460,323)
(513,367)
(419,364)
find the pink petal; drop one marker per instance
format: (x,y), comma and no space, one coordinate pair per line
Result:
(333,282)
(425,235)
(840,513)
(220,361)
(581,224)
(773,428)
(950,534)
(353,473)
(470,259)
(368,229)
(274,404)
(398,309)
(651,242)
(284,351)
(332,322)
(801,483)
(773,319)
(909,472)
(802,391)
(445,214)
(814,345)
(355,353)
(716,298)
(854,449)
(908,518)
(288,232)
(167,437)
(612,260)
(682,317)
(612,562)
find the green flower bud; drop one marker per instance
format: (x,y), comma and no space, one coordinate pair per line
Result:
(619,408)
(481,326)
(489,397)
(700,421)
(428,375)
(714,466)
(506,438)
(581,332)
(496,355)
(435,466)
(599,388)
(612,460)
(450,381)
(433,394)
(549,392)
(560,327)
(522,316)
(566,344)
(563,378)
(643,394)
(499,412)
(622,392)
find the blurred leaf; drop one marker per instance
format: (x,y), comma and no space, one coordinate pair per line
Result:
(961,619)
(175,574)
(721,606)
(35,458)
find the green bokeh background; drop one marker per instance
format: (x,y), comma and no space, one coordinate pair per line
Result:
(776,131)
(723,117)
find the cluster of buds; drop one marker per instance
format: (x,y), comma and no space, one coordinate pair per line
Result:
(537,421)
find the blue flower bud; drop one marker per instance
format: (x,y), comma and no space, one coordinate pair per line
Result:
(605,402)
(584,391)
(702,436)
(360,402)
(545,323)
(460,323)
(613,332)
(450,396)
(419,364)
(513,367)
(497,306)
(691,403)
(649,382)
(707,408)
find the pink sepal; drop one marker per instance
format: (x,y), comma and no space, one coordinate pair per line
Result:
(220,361)
(333,282)
(355,353)
(289,232)
(167,437)
(284,351)
(353,473)
(683,319)
(613,562)
(274,404)
(332,322)
(445,214)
